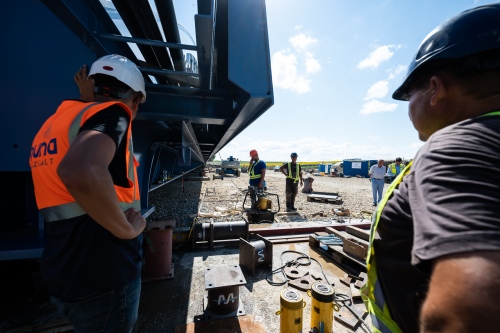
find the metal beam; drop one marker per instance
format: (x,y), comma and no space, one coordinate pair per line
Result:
(142,41)
(189,140)
(84,18)
(168,19)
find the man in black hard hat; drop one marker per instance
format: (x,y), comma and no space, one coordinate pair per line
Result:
(434,261)
(293,173)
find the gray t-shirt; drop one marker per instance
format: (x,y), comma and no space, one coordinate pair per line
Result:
(449,203)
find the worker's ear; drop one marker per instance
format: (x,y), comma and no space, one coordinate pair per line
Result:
(437,89)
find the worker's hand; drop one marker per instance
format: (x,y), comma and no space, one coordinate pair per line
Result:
(85,85)
(135,218)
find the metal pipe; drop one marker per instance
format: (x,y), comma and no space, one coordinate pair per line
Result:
(221,231)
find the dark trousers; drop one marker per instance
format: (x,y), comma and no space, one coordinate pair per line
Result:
(291,192)
(115,311)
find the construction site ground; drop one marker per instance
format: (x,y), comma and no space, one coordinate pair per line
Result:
(177,305)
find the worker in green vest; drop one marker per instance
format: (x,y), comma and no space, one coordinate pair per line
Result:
(434,258)
(293,173)
(395,168)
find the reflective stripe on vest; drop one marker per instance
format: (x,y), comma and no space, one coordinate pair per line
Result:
(252,173)
(290,172)
(371,292)
(57,203)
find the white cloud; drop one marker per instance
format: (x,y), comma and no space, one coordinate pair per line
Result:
(308,148)
(377,106)
(285,75)
(298,27)
(312,65)
(381,54)
(301,42)
(393,72)
(377,90)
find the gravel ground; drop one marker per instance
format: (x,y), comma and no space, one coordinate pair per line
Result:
(222,200)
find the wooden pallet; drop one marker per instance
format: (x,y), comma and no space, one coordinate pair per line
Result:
(336,252)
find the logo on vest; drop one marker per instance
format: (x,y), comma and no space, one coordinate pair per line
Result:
(39,153)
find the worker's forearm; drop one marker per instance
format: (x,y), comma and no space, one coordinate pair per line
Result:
(463,295)
(93,190)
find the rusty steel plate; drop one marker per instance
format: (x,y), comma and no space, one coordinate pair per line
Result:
(224,276)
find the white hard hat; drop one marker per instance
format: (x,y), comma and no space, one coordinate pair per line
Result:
(122,69)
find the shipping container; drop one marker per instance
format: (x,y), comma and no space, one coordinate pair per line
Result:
(355,168)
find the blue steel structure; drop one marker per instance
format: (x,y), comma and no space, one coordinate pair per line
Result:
(188,117)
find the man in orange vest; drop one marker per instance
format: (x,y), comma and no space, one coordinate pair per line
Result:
(86,188)
(434,259)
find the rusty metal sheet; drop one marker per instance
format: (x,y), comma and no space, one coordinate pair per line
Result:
(346,317)
(346,279)
(304,283)
(295,272)
(244,324)
(224,276)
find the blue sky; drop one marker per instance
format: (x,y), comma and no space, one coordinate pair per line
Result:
(335,65)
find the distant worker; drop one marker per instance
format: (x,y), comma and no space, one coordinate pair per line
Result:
(293,173)
(434,261)
(257,170)
(395,168)
(377,173)
(87,191)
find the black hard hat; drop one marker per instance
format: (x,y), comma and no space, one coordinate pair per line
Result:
(294,155)
(473,31)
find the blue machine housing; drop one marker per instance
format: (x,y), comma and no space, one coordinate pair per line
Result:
(188,117)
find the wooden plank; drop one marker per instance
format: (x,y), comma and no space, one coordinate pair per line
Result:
(242,324)
(340,234)
(313,242)
(339,251)
(355,249)
(344,235)
(358,232)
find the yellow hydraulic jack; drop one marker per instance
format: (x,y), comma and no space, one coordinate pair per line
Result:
(322,307)
(291,304)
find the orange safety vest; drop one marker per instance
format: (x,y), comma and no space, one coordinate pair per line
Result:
(50,146)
